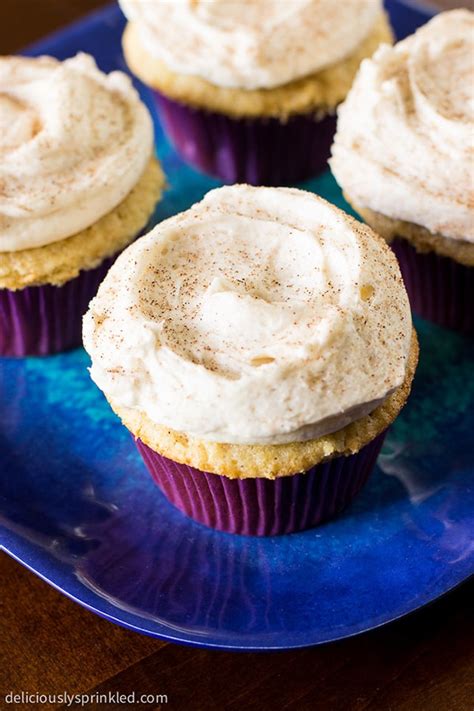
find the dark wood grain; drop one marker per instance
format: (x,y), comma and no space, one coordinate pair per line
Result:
(49,644)
(420,663)
(23,21)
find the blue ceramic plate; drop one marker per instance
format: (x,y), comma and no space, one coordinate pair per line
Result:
(78,508)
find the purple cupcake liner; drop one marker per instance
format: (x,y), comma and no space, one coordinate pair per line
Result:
(41,320)
(439,288)
(263,507)
(255,151)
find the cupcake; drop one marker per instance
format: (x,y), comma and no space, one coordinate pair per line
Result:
(247,91)
(78,182)
(404,156)
(257,346)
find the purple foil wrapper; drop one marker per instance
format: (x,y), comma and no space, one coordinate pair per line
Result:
(439,288)
(263,507)
(263,151)
(41,320)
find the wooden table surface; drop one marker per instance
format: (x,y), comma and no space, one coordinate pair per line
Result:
(49,645)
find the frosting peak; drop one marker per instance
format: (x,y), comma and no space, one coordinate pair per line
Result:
(405,140)
(73,143)
(260,315)
(251,44)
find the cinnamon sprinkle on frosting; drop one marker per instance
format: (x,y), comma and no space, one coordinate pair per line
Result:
(260,315)
(73,143)
(404,146)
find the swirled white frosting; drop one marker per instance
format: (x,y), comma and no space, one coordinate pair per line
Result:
(73,143)
(405,139)
(251,44)
(260,315)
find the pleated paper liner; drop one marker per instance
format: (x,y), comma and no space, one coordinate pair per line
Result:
(41,320)
(263,507)
(263,151)
(440,289)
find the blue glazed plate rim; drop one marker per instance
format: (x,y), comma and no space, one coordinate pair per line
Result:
(189,640)
(77,27)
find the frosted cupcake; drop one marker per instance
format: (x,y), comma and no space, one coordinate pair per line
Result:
(257,347)
(404,156)
(247,91)
(78,182)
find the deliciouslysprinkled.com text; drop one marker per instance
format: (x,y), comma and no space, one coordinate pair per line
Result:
(67,699)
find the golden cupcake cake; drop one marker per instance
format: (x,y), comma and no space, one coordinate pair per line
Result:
(78,180)
(257,347)
(247,91)
(404,156)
